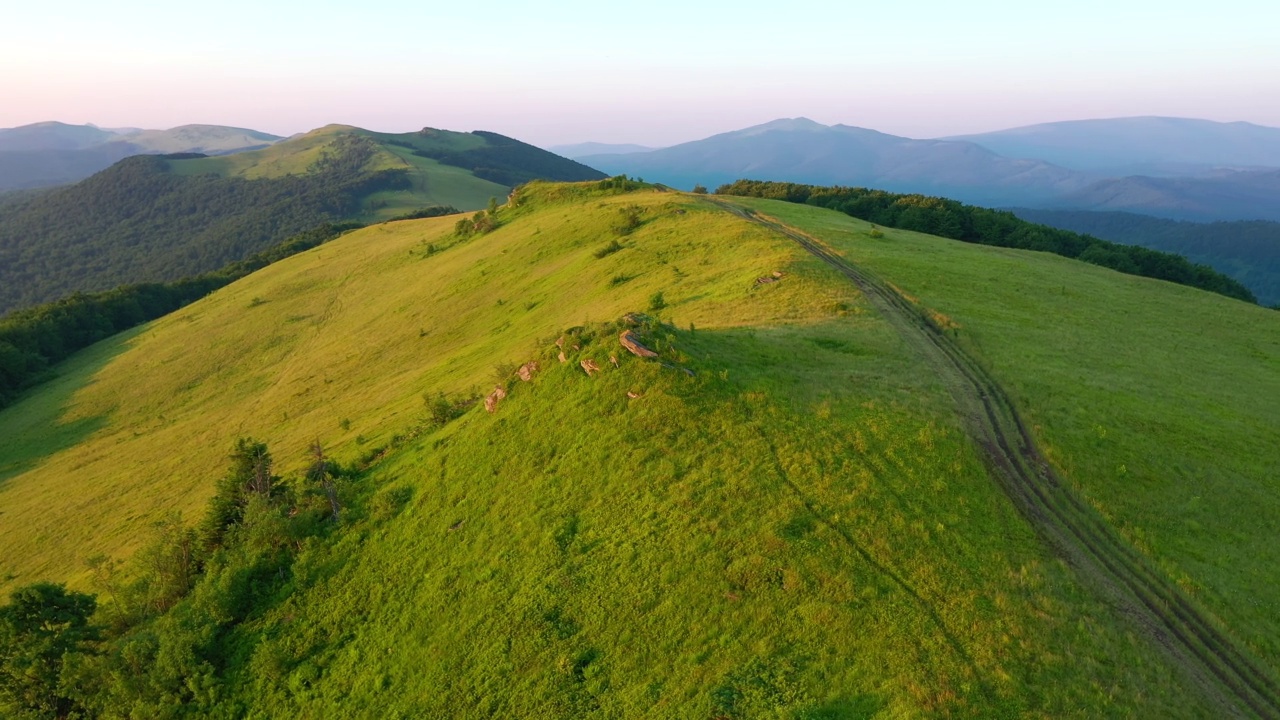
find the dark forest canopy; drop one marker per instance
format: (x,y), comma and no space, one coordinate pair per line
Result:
(138,222)
(984,226)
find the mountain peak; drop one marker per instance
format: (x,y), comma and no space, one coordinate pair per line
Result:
(799,124)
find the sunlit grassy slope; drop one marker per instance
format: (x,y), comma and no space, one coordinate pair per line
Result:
(433,183)
(799,529)
(1160,402)
(357,330)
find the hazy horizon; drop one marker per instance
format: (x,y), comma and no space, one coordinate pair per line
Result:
(579,72)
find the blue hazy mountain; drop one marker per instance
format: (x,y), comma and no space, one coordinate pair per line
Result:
(801,150)
(54,153)
(1160,146)
(580,150)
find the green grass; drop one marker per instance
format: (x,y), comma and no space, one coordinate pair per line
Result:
(433,183)
(810,537)
(1159,402)
(357,329)
(799,529)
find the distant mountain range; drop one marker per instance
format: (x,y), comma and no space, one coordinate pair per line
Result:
(54,153)
(1226,195)
(580,150)
(1159,146)
(801,150)
(1226,164)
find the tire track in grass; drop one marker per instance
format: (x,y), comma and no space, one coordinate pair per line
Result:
(1226,674)
(879,567)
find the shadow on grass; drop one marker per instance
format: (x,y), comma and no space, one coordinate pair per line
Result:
(792,361)
(32,428)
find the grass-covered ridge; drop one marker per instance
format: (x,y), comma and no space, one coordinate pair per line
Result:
(355,331)
(798,528)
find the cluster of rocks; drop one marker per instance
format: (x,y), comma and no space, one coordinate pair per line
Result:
(628,339)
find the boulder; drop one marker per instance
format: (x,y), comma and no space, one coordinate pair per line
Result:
(491,402)
(633,345)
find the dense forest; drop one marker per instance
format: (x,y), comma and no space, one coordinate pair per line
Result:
(984,226)
(1247,250)
(32,341)
(137,222)
(508,161)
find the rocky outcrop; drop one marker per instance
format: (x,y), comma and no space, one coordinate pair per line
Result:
(634,346)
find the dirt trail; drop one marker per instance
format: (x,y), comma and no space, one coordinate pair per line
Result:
(1232,680)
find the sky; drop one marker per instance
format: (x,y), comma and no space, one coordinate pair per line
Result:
(656,73)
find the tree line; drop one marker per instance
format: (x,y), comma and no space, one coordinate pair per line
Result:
(984,226)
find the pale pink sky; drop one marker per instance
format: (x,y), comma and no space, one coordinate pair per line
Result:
(656,74)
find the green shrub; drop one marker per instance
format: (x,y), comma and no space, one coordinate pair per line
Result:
(629,220)
(604,252)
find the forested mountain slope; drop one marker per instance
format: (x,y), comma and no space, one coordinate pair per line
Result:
(160,218)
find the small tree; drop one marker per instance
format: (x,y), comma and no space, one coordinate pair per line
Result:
(41,626)
(169,565)
(250,474)
(321,473)
(657,301)
(700,189)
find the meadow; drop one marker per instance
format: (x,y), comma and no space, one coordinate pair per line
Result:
(1156,400)
(338,344)
(797,527)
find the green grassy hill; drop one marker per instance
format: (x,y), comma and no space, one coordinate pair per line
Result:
(156,219)
(798,526)
(1247,250)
